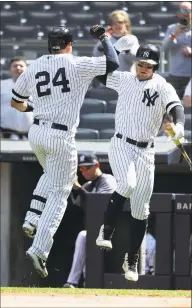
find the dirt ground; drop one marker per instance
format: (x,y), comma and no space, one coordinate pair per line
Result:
(91,301)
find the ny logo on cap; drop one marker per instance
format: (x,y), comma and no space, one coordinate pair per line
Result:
(82,158)
(146,54)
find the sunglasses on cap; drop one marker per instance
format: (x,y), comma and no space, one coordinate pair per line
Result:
(145,65)
(183,11)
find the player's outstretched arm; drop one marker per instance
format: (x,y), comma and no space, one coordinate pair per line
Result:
(98,32)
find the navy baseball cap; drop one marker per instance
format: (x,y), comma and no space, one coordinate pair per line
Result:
(87,159)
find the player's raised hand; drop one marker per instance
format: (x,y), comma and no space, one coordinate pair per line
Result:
(98,32)
(123,44)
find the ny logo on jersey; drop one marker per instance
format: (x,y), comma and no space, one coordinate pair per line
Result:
(146,54)
(150,99)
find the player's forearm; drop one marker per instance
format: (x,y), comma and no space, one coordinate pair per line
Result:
(111,55)
(177,113)
(21,106)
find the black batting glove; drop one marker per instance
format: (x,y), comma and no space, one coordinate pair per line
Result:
(98,32)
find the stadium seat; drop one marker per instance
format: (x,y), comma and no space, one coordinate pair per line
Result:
(103,93)
(86,134)
(188,122)
(111,106)
(68,6)
(172,5)
(160,18)
(97,120)
(188,135)
(8,16)
(146,32)
(143,6)
(82,18)
(92,105)
(106,133)
(187,110)
(20,31)
(26,5)
(106,6)
(43,17)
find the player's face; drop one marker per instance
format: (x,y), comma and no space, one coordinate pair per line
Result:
(144,70)
(16,68)
(88,172)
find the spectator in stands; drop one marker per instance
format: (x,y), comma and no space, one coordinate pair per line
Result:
(97,182)
(14,124)
(187,99)
(178,40)
(119,25)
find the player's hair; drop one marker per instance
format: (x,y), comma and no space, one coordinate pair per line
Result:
(17,58)
(119,14)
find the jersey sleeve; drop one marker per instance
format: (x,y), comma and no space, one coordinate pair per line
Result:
(90,67)
(169,97)
(114,80)
(20,92)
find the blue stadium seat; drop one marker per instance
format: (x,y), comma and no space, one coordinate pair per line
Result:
(106,6)
(106,133)
(92,105)
(87,134)
(97,120)
(20,31)
(68,6)
(143,6)
(8,16)
(188,122)
(160,18)
(172,5)
(111,106)
(103,93)
(26,5)
(146,32)
(188,135)
(43,18)
(82,18)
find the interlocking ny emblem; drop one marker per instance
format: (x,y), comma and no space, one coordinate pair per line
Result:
(146,54)
(150,99)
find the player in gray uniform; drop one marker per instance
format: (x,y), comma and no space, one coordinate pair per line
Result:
(98,182)
(58,83)
(143,98)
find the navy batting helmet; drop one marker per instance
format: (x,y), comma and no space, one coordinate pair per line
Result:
(58,38)
(149,53)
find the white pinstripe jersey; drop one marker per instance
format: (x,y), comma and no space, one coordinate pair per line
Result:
(58,84)
(141,104)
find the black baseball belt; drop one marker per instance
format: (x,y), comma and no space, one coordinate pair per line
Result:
(134,142)
(53,125)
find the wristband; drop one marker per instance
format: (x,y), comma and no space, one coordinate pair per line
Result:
(29,108)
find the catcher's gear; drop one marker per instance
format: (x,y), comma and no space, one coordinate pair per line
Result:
(98,32)
(58,38)
(149,53)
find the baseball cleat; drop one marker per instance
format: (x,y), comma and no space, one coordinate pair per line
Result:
(29,229)
(102,242)
(38,263)
(130,269)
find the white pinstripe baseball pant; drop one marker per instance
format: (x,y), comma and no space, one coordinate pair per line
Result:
(56,152)
(133,168)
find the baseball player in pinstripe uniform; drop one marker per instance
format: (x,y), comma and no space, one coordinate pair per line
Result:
(58,83)
(143,98)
